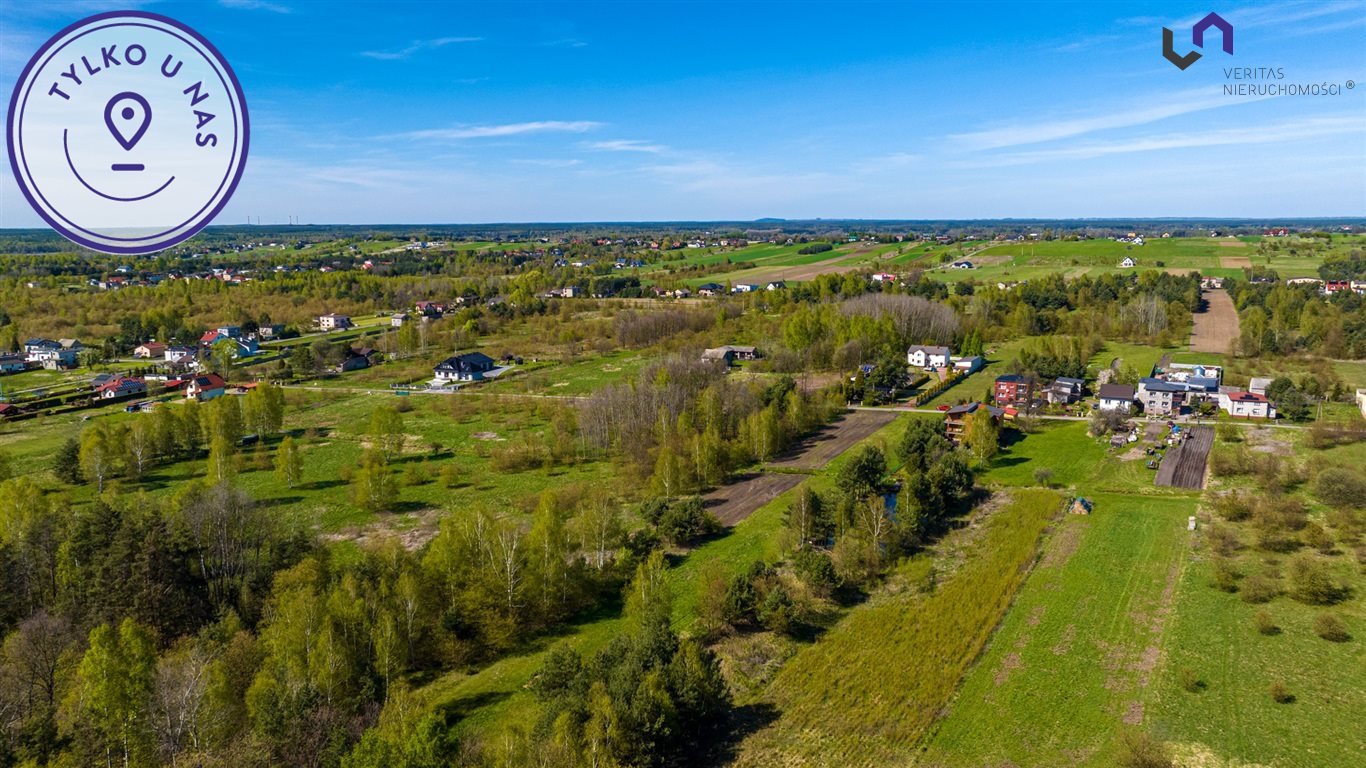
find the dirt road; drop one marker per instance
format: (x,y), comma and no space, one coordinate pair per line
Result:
(733,503)
(830,441)
(1216,328)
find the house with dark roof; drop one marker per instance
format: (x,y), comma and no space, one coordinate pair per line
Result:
(471,366)
(1014,389)
(1161,398)
(1064,390)
(1116,397)
(955,418)
(120,386)
(12,363)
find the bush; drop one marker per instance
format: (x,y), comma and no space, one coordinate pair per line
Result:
(1280,694)
(1310,582)
(687,521)
(1141,750)
(450,474)
(1331,628)
(1260,589)
(1315,536)
(1265,624)
(1191,681)
(1044,476)
(1340,488)
(1224,576)
(1233,506)
(1223,540)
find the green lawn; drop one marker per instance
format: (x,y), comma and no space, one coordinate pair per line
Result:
(1080,654)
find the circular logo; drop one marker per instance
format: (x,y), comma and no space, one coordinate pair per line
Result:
(127,132)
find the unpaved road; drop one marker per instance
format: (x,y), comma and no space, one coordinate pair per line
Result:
(733,503)
(1216,328)
(738,500)
(830,441)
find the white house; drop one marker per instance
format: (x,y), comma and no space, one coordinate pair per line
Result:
(884,277)
(744,288)
(178,353)
(1361,401)
(920,356)
(470,366)
(333,322)
(1246,405)
(1116,397)
(966,365)
(961,265)
(1128,262)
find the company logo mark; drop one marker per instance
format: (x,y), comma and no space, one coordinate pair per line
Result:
(1198,39)
(127,132)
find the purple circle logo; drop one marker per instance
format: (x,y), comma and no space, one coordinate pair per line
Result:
(128,132)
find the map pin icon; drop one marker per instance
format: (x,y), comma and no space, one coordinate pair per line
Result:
(127,116)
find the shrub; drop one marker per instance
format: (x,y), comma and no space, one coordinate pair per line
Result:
(815,570)
(1340,488)
(450,474)
(1191,681)
(1224,576)
(1141,750)
(1310,582)
(1280,694)
(1260,589)
(1233,506)
(1315,536)
(1265,624)
(1223,540)
(1331,628)
(1044,476)
(687,521)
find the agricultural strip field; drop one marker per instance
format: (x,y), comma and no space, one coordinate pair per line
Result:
(868,689)
(1215,329)
(1080,655)
(1184,467)
(819,449)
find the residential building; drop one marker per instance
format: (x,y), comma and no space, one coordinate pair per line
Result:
(920,356)
(730,353)
(1014,389)
(334,322)
(206,386)
(150,350)
(471,366)
(1064,390)
(1246,405)
(955,418)
(397,319)
(1116,397)
(1128,262)
(1257,384)
(52,354)
(12,363)
(120,386)
(776,285)
(270,331)
(961,265)
(1361,401)
(179,353)
(710,289)
(744,288)
(1160,398)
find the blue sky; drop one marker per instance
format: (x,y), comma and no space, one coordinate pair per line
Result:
(432,112)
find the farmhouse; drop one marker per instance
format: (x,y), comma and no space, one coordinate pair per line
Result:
(1246,405)
(955,418)
(1014,389)
(920,356)
(206,387)
(334,322)
(961,265)
(149,350)
(1116,397)
(1128,262)
(470,366)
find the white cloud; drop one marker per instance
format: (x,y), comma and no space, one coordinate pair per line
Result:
(627,145)
(1118,116)
(507,129)
(418,45)
(1288,131)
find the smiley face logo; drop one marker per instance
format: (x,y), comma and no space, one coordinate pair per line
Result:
(128,132)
